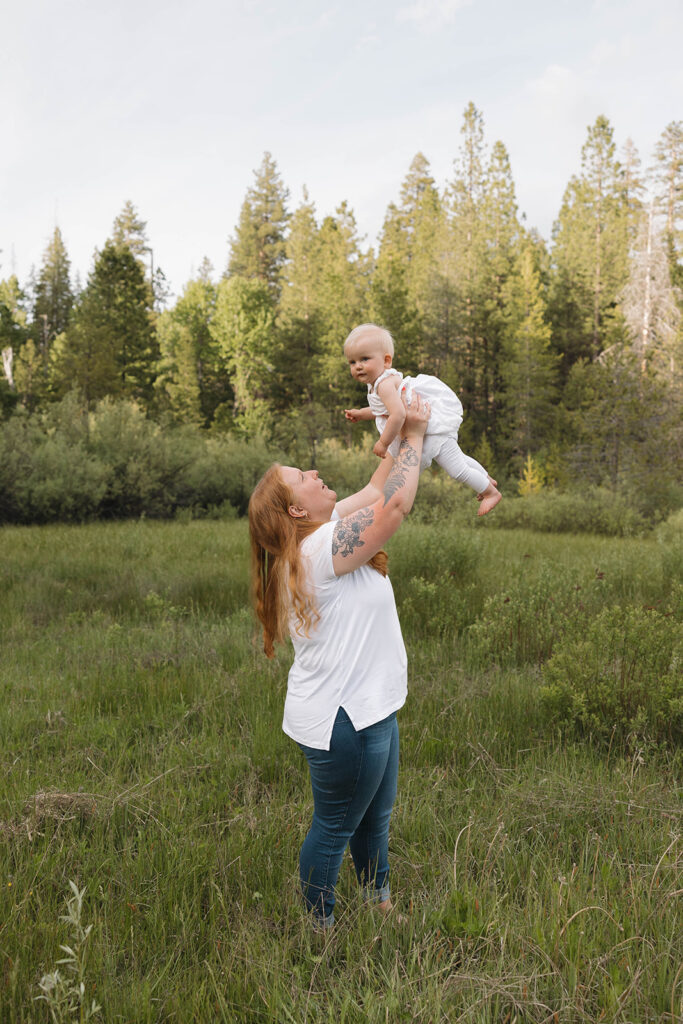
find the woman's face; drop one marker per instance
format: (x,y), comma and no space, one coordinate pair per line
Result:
(310,493)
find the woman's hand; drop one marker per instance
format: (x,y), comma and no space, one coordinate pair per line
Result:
(380,450)
(417,415)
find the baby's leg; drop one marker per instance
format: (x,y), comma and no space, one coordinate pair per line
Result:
(462,467)
(466,469)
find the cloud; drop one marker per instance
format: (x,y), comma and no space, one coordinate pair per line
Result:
(563,96)
(610,52)
(432,14)
(554,83)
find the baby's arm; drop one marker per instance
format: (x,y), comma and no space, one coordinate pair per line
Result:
(356,415)
(388,391)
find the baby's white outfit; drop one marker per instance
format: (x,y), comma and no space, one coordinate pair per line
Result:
(440,443)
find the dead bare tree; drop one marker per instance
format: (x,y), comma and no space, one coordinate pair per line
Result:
(7,360)
(649,300)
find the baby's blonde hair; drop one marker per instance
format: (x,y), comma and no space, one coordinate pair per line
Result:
(383,338)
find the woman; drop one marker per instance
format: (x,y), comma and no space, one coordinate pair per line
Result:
(319,574)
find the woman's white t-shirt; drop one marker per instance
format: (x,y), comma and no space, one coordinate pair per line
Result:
(354,657)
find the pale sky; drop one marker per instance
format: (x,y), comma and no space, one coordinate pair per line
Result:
(172,103)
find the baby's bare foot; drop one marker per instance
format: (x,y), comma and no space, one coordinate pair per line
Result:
(489,499)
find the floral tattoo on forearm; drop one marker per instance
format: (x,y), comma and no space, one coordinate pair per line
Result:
(346,536)
(407,458)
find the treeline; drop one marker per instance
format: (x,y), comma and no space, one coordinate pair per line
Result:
(566,354)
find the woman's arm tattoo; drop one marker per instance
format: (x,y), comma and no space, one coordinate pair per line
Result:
(407,458)
(346,536)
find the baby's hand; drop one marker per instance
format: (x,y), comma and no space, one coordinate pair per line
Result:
(380,449)
(352,414)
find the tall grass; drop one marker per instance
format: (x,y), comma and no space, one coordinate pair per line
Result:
(539,871)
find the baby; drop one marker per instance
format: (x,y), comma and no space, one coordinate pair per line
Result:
(370,350)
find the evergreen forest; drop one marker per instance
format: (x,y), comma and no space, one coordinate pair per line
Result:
(567,352)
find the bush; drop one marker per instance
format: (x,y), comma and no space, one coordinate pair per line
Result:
(143,462)
(433,575)
(595,510)
(46,477)
(68,465)
(622,680)
(670,532)
(225,469)
(669,535)
(523,624)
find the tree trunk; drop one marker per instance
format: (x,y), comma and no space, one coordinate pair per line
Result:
(7,360)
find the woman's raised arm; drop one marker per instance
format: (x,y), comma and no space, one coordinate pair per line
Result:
(370,493)
(362,533)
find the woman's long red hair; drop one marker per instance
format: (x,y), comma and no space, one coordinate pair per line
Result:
(278,578)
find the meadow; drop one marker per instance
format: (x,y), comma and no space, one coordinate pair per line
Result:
(537,848)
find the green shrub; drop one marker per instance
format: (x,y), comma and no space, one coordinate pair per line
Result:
(224,469)
(18,439)
(69,465)
(522,624)
(430,553)
(65,483)
(433,574)
(46,477)
(622,680)
(440,607)
(595,510)
(144,463)
(670,532)
(669,537)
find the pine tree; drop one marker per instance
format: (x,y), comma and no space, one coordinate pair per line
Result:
(482,244)
(299,318)
(633,187)
(590,252)
(192,380)
(258,248)
(528,367)
(53,295)
(130,231)
(465,266)
(424,224)
(667,180)
(84,357)
(112,334)
(618,417)
(502,241)
(343,301)
(243,327)
(30,375)
(531,481)
(390,303)
(301,418)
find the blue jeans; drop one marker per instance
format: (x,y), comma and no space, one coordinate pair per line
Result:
(354,787)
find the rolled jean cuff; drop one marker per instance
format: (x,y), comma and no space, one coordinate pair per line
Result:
(373,895)
(320,923)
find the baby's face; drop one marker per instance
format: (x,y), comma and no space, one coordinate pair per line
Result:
(367,360)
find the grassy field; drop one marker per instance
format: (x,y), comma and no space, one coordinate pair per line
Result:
(537,847)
